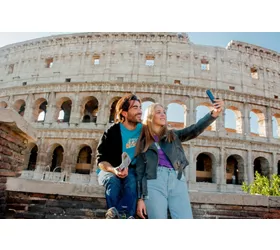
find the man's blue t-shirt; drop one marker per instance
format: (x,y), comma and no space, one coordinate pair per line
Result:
(129,139)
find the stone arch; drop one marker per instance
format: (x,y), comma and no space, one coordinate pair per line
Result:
(146,102)
(84,159)
(256,114)
(55,153)
(32,157)
(3,104)
(205,164)
(201,110)
(90,109)
(112,105)
(235,170)
(40,110)
(233,120)
(276,125)
(19,106)
(261,165)
(63,109)
(176,114)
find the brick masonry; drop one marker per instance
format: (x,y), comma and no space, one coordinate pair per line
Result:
(205,206)
(13,141)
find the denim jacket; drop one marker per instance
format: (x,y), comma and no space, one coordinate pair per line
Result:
(147,162)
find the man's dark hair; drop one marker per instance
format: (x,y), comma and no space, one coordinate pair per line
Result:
(123,105)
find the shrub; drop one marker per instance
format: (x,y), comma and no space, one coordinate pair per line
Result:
(264,186)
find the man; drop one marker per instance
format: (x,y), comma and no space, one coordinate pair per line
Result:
(120,185)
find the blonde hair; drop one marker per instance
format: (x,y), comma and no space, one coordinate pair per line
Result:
(146,137)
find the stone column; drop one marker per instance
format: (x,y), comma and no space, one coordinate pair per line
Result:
(28,113)
(192,166)
(246,122)
(268,124)
(51,109)
(220,124)
(191,116)
(222,175)
(75,111)
(103,109)
(250,168)
(274,167)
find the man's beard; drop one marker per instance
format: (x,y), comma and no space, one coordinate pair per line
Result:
(133,119)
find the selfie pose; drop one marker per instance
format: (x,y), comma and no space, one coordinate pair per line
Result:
(161,184)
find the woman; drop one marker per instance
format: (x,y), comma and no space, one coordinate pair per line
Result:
(161,183)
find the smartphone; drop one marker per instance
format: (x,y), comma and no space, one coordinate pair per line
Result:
(210,95)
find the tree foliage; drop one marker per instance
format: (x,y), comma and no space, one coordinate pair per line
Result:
(263,186)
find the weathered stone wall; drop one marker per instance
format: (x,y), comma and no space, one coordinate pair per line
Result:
(204,205)
(13,141)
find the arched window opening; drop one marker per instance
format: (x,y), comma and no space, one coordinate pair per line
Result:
(145,105)
(203,168)
(176,115)
(42,111)
(276,126)
(113,111)
(90,110)
(65,112)
(201,111)
(257,123)
(32,158)
(57,159)
(84,160)
(261,166)
(233,120)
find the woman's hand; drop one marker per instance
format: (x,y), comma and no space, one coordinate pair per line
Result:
(218,107)
(141,209)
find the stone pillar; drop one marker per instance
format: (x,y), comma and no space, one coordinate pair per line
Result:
(191,116)
(192,166)
(268,124)
(51,108)
(222,175)
(220,124)
(250,168)
(246,122)
(15,133)
(28,113)
(75,111)
(274,163)
(104,109)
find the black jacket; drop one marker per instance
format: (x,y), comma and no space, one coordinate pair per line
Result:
(146,163)
(110,146)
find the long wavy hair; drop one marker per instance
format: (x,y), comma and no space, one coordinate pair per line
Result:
(146,137)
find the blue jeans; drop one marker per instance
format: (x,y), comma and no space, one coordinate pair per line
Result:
(120,193)
(168,192)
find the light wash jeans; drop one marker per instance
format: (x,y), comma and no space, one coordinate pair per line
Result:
(168,192)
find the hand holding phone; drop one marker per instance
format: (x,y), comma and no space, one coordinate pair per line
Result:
(210,95)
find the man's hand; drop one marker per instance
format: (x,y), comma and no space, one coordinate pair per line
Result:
(121,173)
(218,107)
(141,209)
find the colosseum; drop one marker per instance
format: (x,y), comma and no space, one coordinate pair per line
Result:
(67,86)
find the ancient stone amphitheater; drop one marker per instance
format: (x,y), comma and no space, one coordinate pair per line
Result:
(66,86)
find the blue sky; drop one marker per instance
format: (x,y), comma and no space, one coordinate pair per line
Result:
(269,40)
